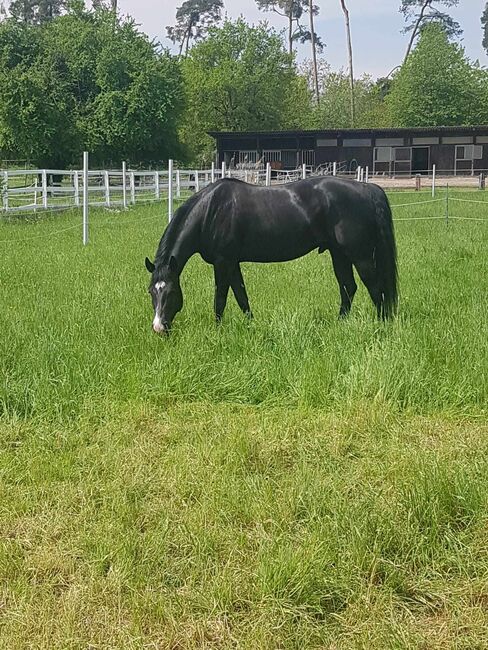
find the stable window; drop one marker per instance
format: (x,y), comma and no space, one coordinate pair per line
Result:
(248,157)
(469,152)
(356,142)
(382,154)
(403,154)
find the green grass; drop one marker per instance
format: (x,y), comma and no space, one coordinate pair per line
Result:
(294,482)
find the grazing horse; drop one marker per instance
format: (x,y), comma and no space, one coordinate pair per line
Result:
(229,222)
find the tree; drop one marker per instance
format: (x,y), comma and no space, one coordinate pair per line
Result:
(193,19)
(81,81)
(421,12)
(349,54)
(316,45)
(484,24)
(36,11)
(293,11)
(438,85)
(240,78)
(333,108)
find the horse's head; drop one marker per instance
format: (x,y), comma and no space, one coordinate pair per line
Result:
(166,295)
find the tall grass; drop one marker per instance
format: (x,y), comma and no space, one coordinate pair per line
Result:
(76,325)
(294,482)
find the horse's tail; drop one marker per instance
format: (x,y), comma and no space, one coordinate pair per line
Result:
(386,257)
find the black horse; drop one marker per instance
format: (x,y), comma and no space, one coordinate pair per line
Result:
(230,222)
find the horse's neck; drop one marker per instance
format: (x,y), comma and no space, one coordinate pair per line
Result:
(182,248)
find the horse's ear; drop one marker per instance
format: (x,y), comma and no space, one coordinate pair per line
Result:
(173,265)
(149,265)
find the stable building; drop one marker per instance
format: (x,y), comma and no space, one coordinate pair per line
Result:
(457,150)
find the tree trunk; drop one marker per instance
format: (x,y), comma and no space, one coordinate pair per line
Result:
(290,29)
(314,53)
(351,70)
(416,29)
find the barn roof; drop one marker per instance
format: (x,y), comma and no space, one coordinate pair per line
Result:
(340,132)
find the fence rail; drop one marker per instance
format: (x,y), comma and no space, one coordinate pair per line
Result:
(32,190)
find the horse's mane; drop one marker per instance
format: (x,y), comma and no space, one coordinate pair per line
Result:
(170,235)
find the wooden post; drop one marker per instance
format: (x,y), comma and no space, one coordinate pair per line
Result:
(197,182)
(433,181)
(124,185)
(482,181)
(44,189)
(223,169)
(212,173)
(178,184)
(132,188)
(156,186)
(76,184)
(268,174)
(5,191)
(304,171)
(107,189)
(418,183)
(334,169)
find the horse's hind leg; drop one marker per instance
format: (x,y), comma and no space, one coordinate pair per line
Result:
(368,274)
(239,289)
(222,275)
(345,277)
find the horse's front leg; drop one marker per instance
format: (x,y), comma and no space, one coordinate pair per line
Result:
(222,275)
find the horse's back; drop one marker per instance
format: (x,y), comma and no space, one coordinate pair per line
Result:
(262,224)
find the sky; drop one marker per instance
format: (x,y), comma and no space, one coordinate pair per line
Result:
(375,24)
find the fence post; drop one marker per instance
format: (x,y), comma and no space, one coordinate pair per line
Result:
(85,197)
(212,173)
(44,189)
(107,188)
(156,185)
(246,176)
(5,191)
(367,175)
(223,169)
(334,169)
(178,184)
(76,184)
(304,170)
(35,192)
(268,174)
(433,181)
(197,182)
(358,175)
(418,182)
(170,190)
(132,188)
(482,181)
(124,185)
(447,204)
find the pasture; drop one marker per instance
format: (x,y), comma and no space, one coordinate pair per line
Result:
(291,482)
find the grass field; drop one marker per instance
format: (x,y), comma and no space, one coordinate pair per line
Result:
(294,482)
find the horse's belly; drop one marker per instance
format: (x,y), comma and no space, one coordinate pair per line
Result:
(282,250)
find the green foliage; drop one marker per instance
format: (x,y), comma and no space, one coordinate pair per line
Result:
(240,78)
(86,80)
(333,110)
(419,13)
(35,12)
(438,85)
(193,19)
